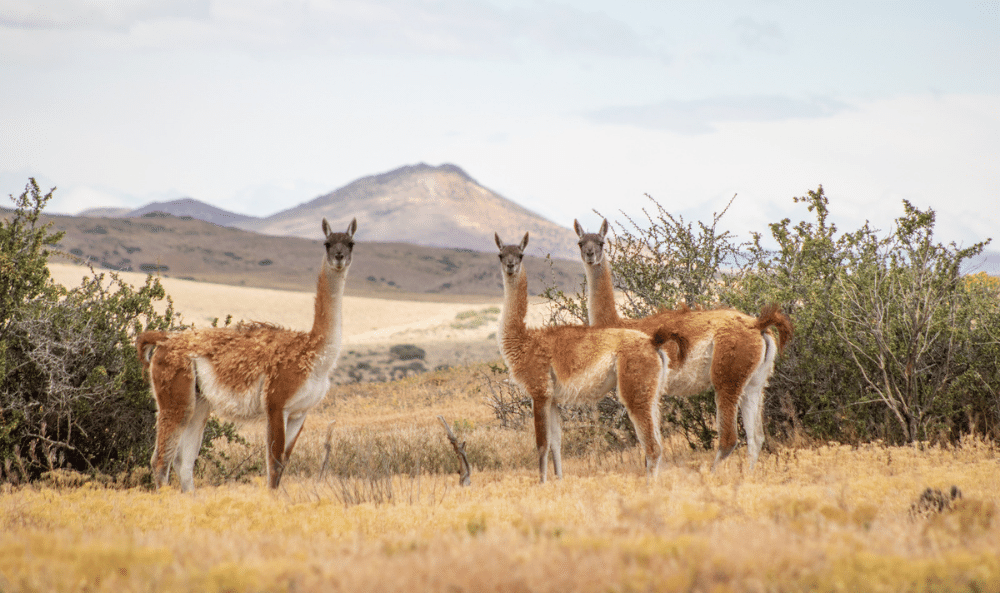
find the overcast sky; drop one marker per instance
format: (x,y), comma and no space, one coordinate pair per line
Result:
(564,107)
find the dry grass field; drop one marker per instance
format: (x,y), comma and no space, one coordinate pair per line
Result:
(371,502)
(824,518)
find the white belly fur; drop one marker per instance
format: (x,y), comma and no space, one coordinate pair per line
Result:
(226,402)
(695,375)
(589,386)
(243,406)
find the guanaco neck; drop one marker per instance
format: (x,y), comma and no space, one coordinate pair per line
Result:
(327,321)
(513,329)
(601,295)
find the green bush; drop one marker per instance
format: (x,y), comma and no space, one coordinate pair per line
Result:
(72,394)
(815,390)
(891,342)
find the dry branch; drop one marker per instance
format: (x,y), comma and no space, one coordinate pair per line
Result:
(463,460)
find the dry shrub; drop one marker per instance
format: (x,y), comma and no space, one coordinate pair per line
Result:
(72,394)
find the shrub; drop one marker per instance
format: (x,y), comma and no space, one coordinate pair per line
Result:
(665,262)
(72,394)
(890,341)
(906,321)
(407,352)
(814,390)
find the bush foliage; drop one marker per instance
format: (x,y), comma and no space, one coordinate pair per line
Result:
(72,393)
(891,340)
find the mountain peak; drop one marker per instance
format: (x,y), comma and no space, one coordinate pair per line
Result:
(417,169)
(422,204)
(450,168)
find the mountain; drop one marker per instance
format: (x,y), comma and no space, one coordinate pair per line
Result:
(109,212)
(424,205)
(194,209)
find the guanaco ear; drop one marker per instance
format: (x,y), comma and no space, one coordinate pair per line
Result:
(499,242)
(524,242)
(326,227)
(577,228)
(351,227)
(604,228)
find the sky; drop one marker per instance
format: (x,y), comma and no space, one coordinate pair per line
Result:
(256,106)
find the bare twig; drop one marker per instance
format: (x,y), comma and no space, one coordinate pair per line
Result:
(327,447)
(463,460)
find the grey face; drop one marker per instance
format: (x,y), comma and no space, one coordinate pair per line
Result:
(511,256)
(591,244)
(339,246)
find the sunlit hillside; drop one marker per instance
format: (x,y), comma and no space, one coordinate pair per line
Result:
(827,518)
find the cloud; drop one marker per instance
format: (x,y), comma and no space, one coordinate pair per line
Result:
(701,116)
(562,28)
(352,27)
(95,15)
(456,28)
(759,36)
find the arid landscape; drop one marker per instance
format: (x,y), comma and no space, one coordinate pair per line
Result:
(371,501)
(252,310)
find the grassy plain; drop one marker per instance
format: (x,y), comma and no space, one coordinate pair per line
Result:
(387,514)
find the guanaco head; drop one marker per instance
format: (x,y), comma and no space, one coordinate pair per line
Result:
(339,246)
(591,244)
(511,255)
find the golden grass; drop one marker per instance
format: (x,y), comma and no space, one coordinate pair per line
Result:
(831,518)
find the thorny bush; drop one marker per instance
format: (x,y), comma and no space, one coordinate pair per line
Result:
(891,341)
(72,393)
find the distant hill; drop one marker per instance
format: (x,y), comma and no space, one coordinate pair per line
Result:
(198,250)
(195,209)
(105,212)
(424,205)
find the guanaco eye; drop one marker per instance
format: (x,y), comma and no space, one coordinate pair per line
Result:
(327,244)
